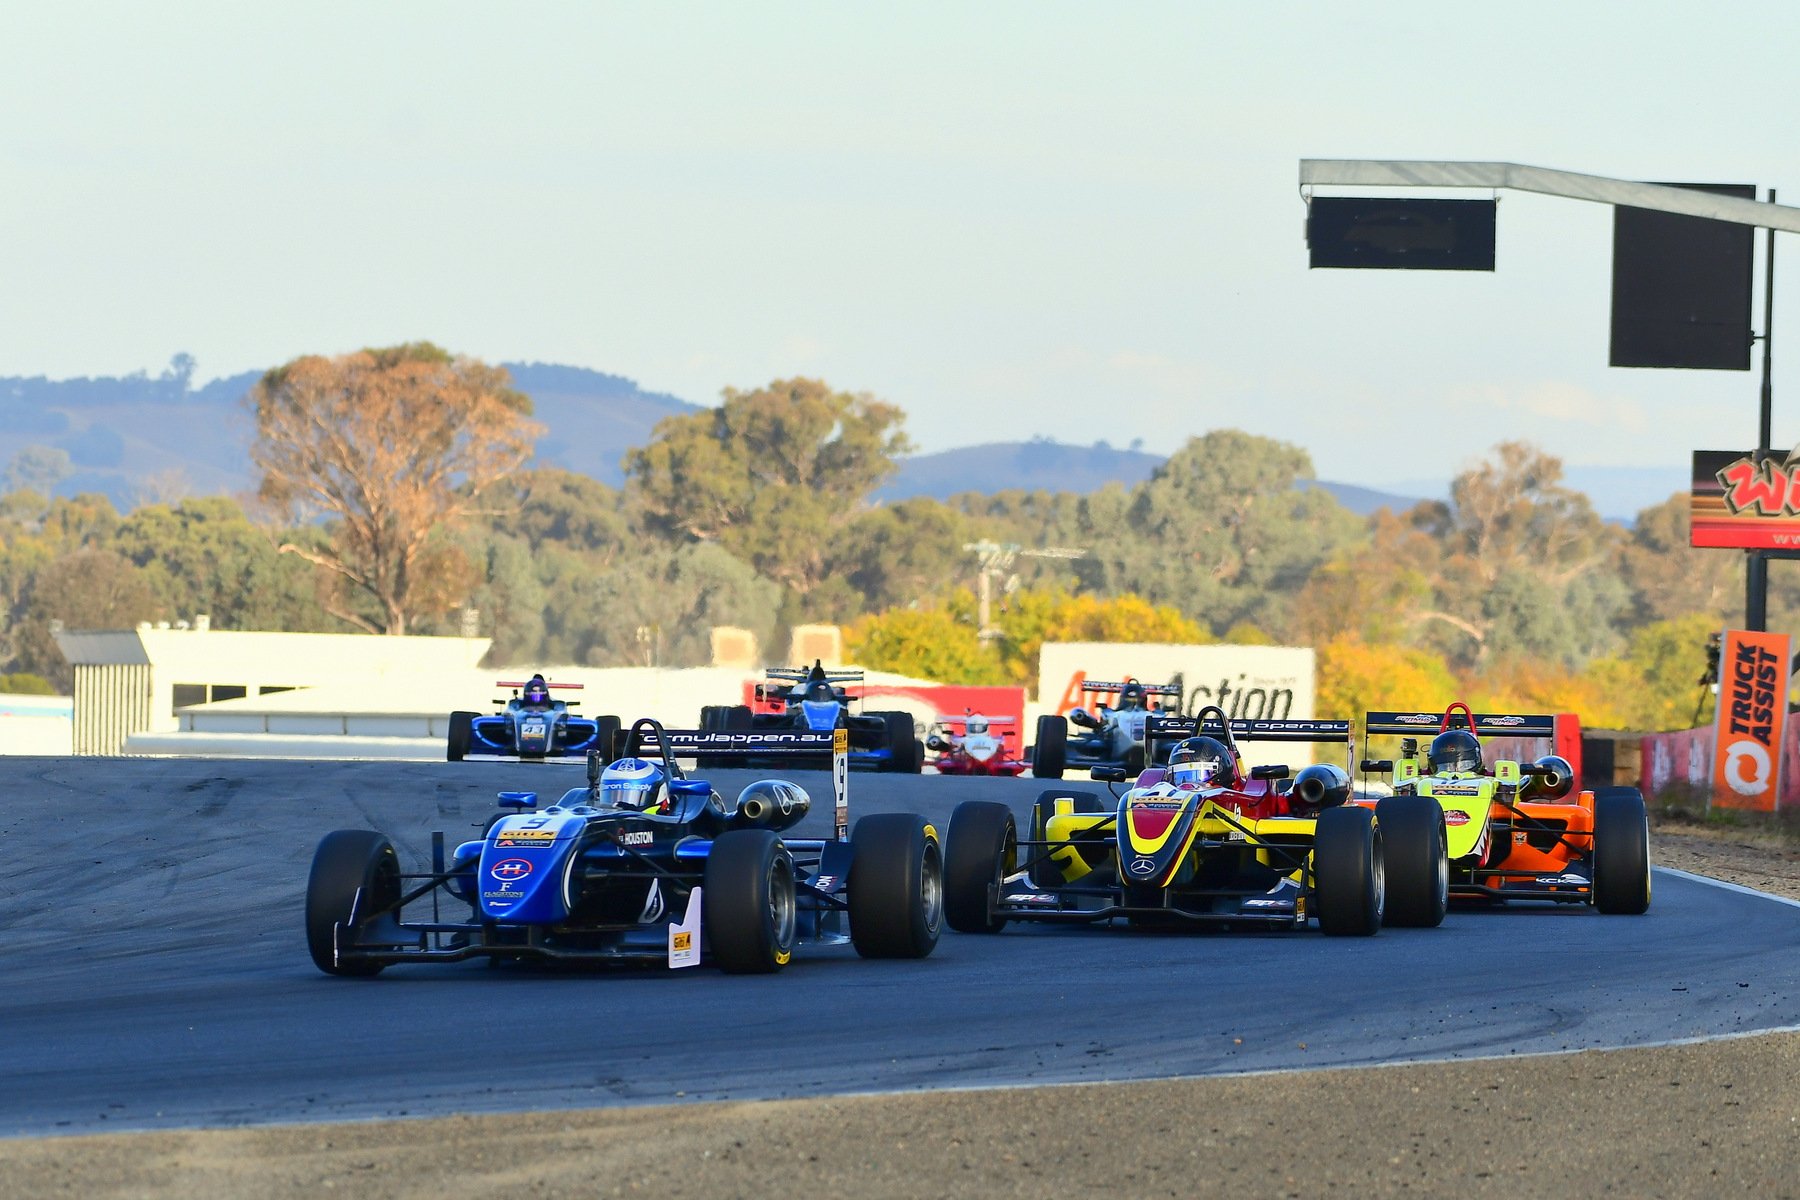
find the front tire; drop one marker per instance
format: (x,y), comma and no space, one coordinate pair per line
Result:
(896,886)
(462,728)
(346,862)
(1052,756)
(1348,884)
(981,851)
(1621,852)
(748,911)
(1413,850)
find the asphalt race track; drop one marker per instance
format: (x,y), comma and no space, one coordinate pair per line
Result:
(156,974)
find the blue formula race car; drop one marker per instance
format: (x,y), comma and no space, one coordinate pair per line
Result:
(530,725)
(817,699)
(643,865)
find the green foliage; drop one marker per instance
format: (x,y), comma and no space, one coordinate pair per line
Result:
(774,475)
(927,643)
(24,683)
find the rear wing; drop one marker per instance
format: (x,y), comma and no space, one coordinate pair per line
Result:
(1150,689)
(802,674)
(964,720)
(1245,730)
(824,748)
(1484,724)
(519,683)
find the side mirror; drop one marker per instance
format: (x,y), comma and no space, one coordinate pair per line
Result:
(1108,774)
(1409,747)
(1384,765)
(934,742)
(1535,768)
(1270,772)
(518,799)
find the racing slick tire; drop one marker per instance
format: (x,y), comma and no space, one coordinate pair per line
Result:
(1413,849)
(735,716)
(608,733)
(1045,871)
(346,862)
(1621,852)
(896,886)
(981,850)
(1348,883)
(462,728)
(709,717)
(1051,757)
(899,741)
(749,910)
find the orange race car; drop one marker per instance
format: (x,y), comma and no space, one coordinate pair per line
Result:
(1514,830)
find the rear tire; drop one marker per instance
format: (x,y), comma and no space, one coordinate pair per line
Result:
(1413,850)
(748,912)
(1348,884)
(982,849)
(709,718)
(607,733)
(1052,754)
(347,861)
(1135,761)
(896,886)
(898,729)
(462,728)
(1621,852)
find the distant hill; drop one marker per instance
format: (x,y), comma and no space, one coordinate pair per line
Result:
(1042,465)
(137,437)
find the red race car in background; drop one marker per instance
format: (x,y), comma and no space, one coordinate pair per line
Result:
(974,745)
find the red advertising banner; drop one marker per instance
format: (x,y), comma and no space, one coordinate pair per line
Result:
(1738,503)
(1749,731)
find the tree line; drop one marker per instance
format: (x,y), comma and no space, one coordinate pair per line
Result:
(393,497)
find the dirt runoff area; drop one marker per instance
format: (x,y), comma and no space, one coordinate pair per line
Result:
(1721,1119)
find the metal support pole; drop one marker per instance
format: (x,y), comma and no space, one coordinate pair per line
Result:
(1756,569)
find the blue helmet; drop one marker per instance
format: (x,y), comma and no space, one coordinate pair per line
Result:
(537,691)
(633,783)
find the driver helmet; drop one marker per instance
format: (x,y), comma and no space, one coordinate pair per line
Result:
(633,783)
(820,691)
(537,691)
(976,725)
(1201,762)
(1454,750)
(1131,695)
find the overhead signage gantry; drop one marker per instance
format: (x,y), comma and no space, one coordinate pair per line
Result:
(1699,272)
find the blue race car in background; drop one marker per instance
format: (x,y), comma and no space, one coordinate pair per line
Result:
(816,699)
(530,725)
(642,865)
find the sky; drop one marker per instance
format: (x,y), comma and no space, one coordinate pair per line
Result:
(1079,221)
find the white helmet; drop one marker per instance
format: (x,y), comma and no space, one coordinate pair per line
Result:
(632,783)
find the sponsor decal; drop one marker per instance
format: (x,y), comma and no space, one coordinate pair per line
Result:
(515,838)
(636,837)
(1455,791)
(1506,721)
(1568,877)
(1142,866)
(653,904)
(510,869)
(1417,719)
(825,883)
(1284,905)
(682,942)
(1454,816)
(502,894)
(1752,719)
(1519,839)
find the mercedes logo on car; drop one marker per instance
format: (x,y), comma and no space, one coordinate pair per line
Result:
(1142,866)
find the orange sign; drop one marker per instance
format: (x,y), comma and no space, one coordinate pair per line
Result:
(1753,679)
